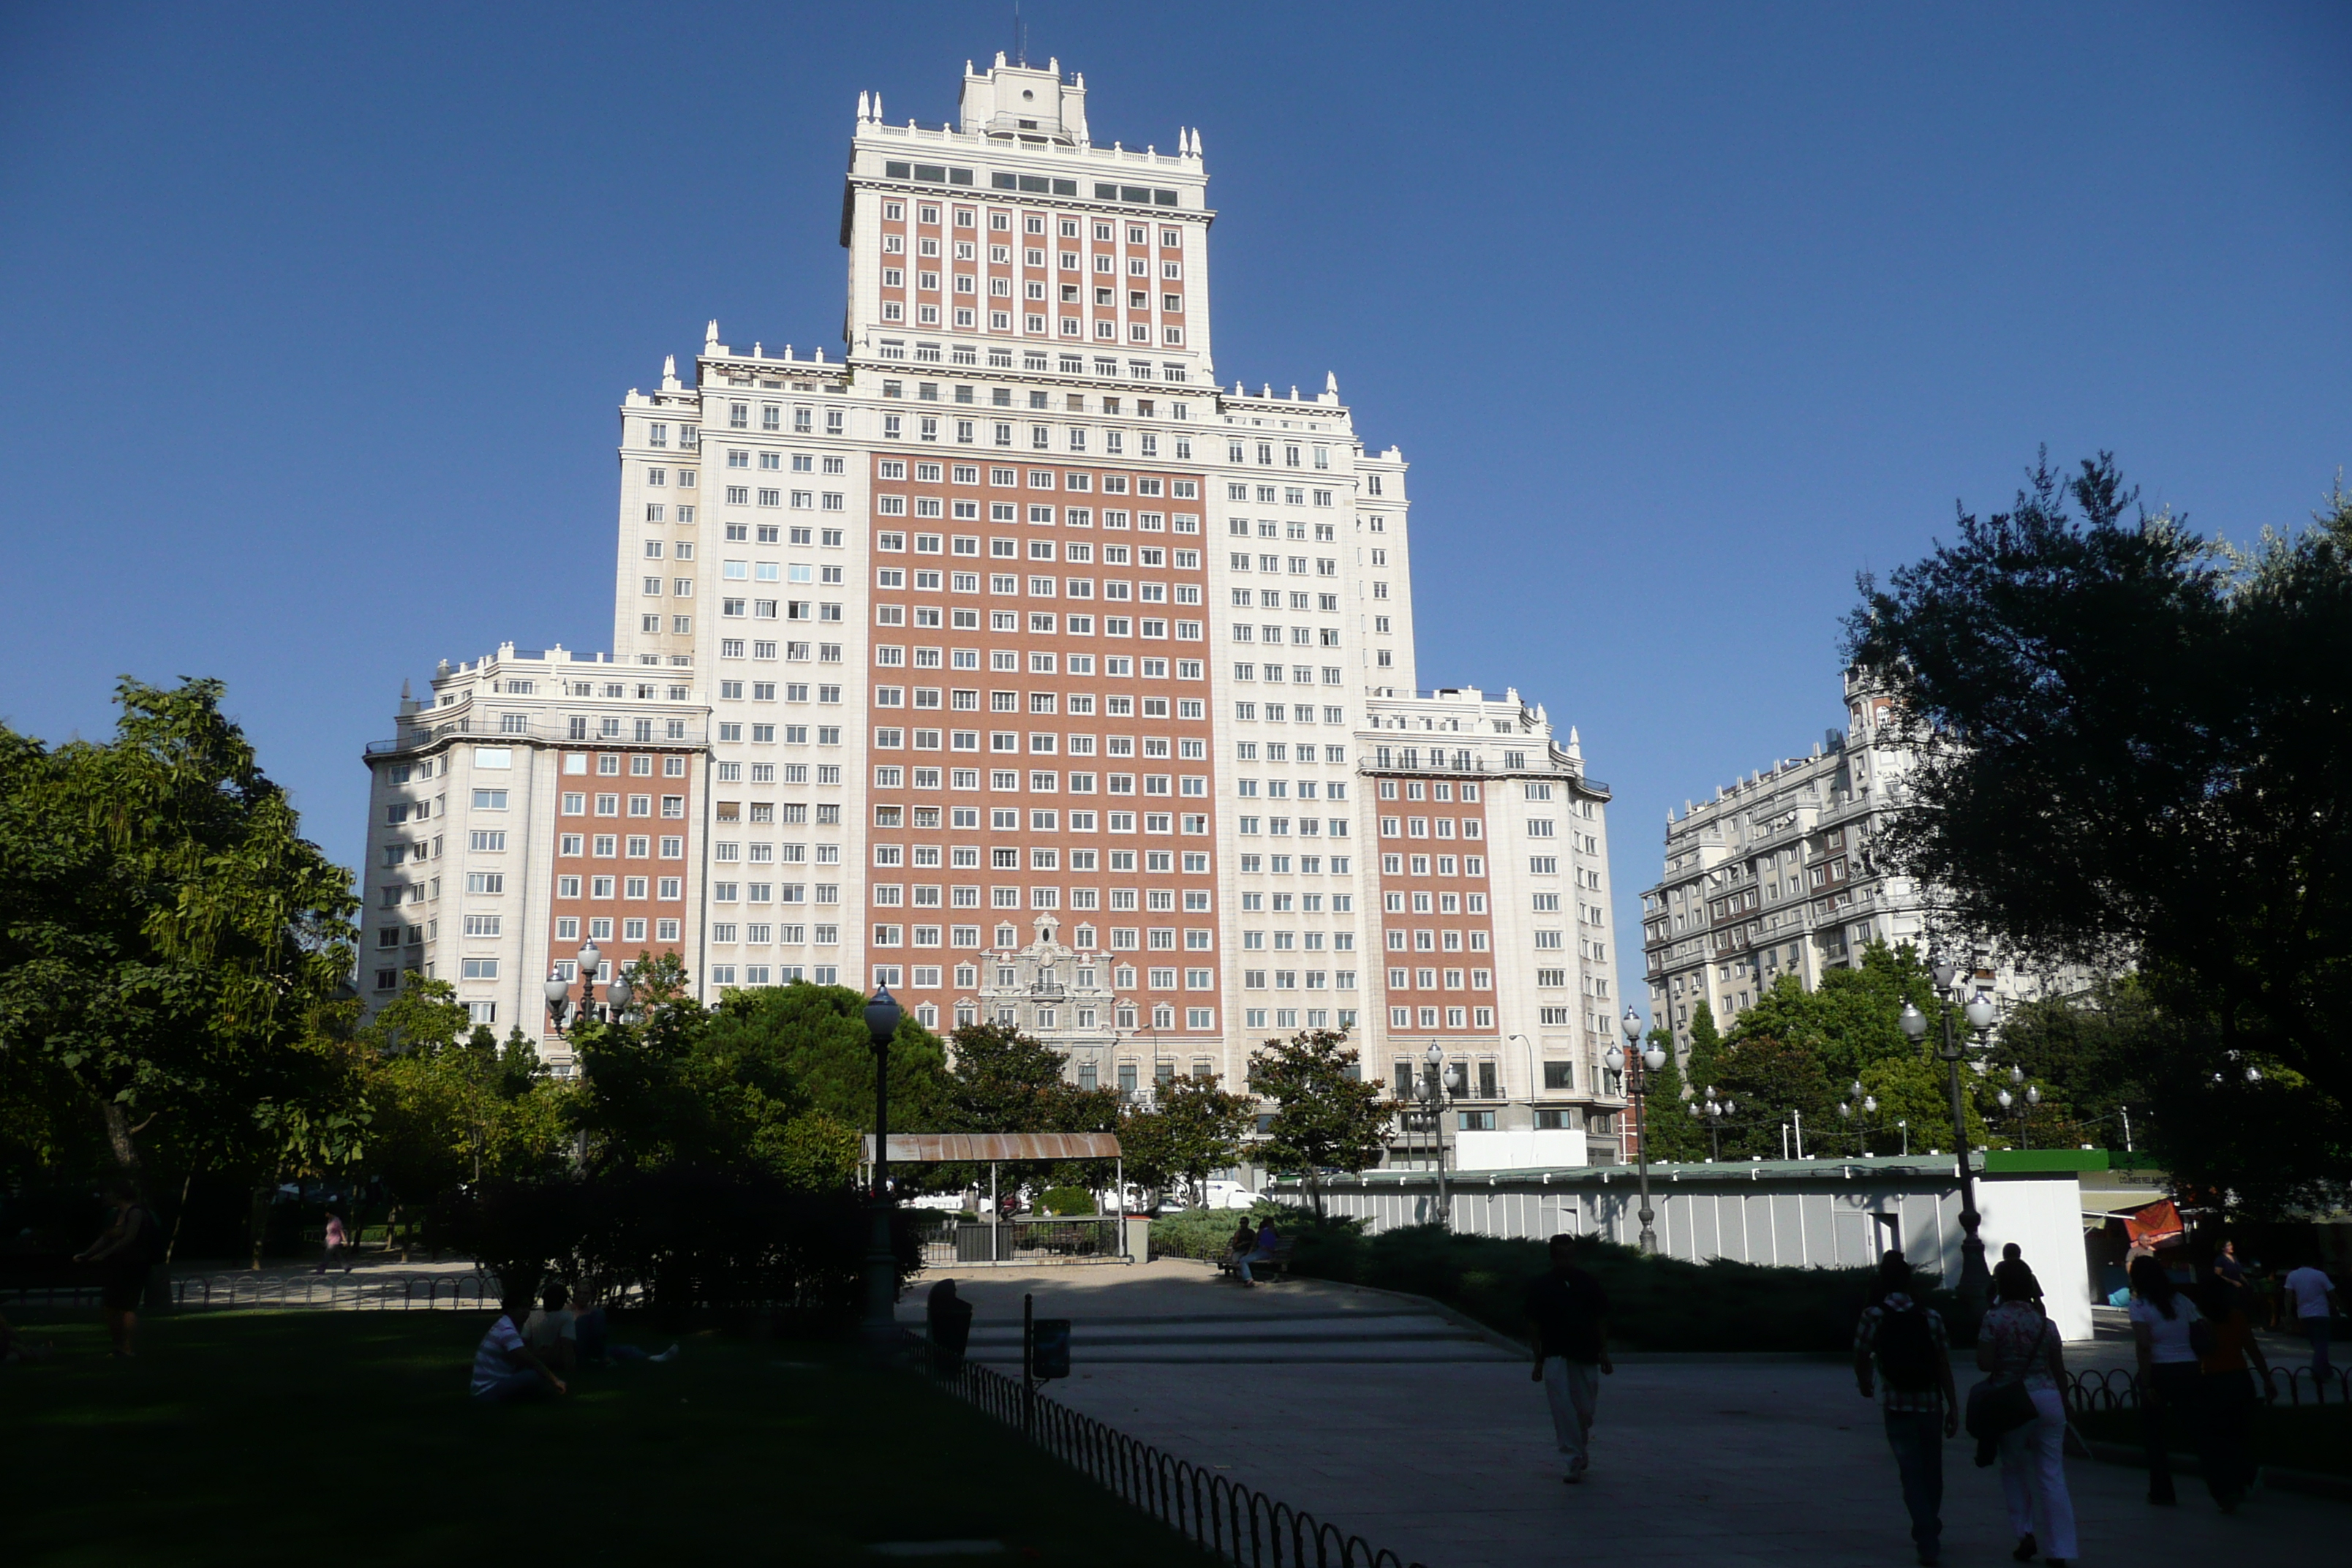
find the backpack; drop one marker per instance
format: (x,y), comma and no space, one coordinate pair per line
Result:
(1907,1349)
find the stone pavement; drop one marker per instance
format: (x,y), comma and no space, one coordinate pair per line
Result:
(1438,1448)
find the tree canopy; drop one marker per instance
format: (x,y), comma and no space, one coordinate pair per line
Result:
(2133,755)
(174,954)
(1326,1116)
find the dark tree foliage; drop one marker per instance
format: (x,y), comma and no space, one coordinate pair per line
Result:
(1005,1082)
(2134,753)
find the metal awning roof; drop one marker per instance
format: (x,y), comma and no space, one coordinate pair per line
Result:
(986,1148)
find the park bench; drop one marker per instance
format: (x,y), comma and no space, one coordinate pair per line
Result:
(1276,1261)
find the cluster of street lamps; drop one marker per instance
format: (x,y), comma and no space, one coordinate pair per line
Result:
(1714,1111)
(1857,1109)
(1636,1065)
(559,991)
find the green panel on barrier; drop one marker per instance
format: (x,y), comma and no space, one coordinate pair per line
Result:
(1998,1162)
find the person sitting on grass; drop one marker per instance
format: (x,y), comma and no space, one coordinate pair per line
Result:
(552,1331)
(504,1366)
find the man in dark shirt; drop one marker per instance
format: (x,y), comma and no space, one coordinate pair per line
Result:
(1568,1314)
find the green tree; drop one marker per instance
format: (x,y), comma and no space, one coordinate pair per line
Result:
(1326,1115)
(1667,1126)
(1703,1064)
(2133,754)
(1770,1078)
(1002,1080)
(174,963)
(764,1081)
(815,1038)
(1191,1127)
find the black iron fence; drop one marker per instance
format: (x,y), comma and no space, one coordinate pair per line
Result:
(197,1292)
(2292,1385)
(952,1238)
(1237,1522)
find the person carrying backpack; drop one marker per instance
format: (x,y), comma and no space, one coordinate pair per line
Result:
(1913,1366)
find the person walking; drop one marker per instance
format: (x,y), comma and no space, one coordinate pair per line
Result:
(1906,1342)
(2019,1343)
(2170,1385)
(2229,1371)
(2311,1295)
(1567,1313)
(131,1246)
(338,1242)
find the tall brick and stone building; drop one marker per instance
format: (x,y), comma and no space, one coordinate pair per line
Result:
(1781,874)
(1018,664)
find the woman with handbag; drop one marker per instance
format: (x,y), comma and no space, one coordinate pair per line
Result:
(2018,1345)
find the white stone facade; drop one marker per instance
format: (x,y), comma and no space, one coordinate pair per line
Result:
(1780,874)
(983,616)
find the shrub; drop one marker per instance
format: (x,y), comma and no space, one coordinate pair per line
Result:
(1060,1201)
(1655,1303)
(690,1239)
(1207,1233)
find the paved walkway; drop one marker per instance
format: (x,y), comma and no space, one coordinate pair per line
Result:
(1392,1423)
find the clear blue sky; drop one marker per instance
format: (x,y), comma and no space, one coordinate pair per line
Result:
(314,318)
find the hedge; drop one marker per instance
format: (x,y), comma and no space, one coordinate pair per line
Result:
(1654,1303)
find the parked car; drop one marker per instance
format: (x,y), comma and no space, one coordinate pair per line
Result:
(1232,1195)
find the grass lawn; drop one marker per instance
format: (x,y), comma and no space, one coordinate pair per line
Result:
(2295,1437)
(246,1437)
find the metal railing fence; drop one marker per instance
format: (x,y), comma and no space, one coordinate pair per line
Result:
(2118,1388)
(949,1239)
(199,1292)
(1237,1522)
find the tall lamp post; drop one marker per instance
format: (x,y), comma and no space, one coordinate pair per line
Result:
(1714,1111)
(1637,1065)
(1532,1086)
(882,1015)
(1975,1278)
(1856,1110)
(1432,1103)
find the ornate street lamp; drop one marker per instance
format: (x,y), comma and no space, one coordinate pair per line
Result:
(1637,1065)
(1713,1112)
(882,1015)
(1433,1097)
(1981,1010)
